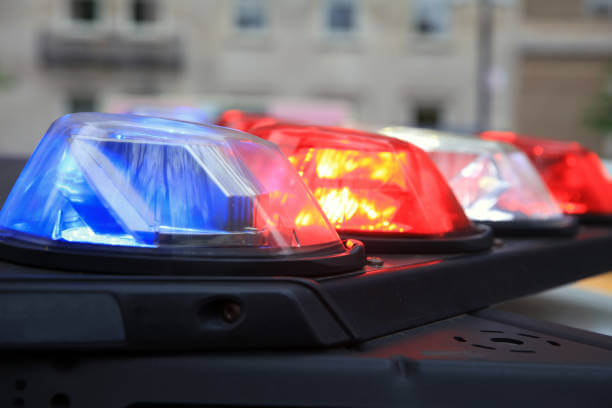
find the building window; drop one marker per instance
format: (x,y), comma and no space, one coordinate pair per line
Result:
(427,116)
(144,11)
(250,14)
(82,103)
(431,17)
(600,8)
(84,10)
(341,15)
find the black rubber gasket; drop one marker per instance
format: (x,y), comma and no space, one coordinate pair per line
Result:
(479,240)
(348,257)
(565,226)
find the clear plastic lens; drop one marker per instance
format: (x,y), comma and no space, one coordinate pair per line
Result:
(575,175)
(148,182)
(492,181)
(607,163)
(368,183)
(184,113)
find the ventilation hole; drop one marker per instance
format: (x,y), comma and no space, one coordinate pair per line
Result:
(506,340)
(18,402)
(20,385)
(523,351)
(484,347)
(60,401)
(528,335)
(459,339)
(491,331)
(553,343)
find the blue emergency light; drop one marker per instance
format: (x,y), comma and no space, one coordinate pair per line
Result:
(113,184)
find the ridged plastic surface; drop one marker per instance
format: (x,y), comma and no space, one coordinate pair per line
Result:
(575,175)
(492,181)
(126,180)
(370,183)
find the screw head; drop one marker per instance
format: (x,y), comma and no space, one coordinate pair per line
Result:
(375,261)
(231,312)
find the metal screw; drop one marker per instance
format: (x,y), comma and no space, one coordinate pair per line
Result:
(231,312)
(375,261)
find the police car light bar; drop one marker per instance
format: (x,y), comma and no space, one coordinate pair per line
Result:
(575,175)
(173,196)
(494,182)
(383,191)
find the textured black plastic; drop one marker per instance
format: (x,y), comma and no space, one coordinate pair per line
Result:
(427,366)
(601,219)
(432,288)
(162,313)
(170,312)
(34,318)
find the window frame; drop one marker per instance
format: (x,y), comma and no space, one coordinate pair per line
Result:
(422,104)
(356,22)
(265,10)
(96,11)
(590,8)
(446,26)
(156,13)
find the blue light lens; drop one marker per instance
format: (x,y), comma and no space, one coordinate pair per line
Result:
(148,182)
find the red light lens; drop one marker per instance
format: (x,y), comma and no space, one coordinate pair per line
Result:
(493,181)
(574,174)
(240,120)
(367,183)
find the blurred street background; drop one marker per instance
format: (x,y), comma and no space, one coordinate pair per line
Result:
(541,67)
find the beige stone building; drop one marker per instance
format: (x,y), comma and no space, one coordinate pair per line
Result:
(565,61)
(375,61)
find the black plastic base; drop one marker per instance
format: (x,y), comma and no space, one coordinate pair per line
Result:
(468,361)
(563,227)
(591,219)
(480,240)
(67,310)
(85,258)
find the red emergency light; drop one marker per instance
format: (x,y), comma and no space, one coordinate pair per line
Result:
(379,189)
(574,174)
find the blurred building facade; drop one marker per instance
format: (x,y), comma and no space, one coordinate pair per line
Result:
(565,65)
(386,61)
(364,61)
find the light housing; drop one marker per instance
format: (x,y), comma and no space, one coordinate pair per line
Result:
(574,174)
(385,192)
(148,195)
(494,182)
(184,113)
(241,120)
